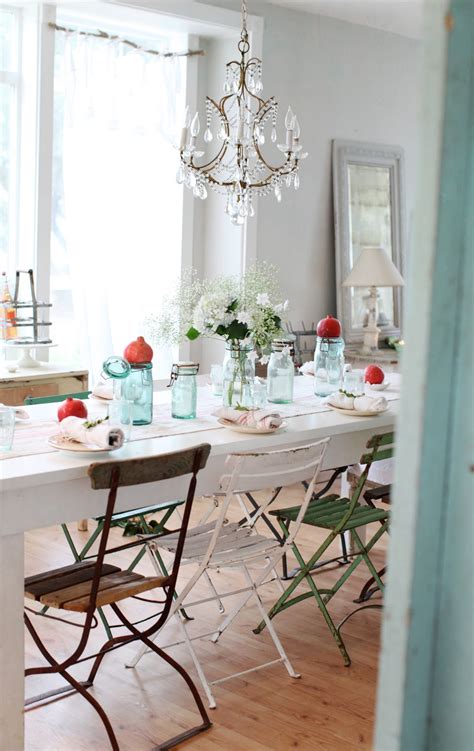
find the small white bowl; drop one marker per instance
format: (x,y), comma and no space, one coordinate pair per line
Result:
(377,386)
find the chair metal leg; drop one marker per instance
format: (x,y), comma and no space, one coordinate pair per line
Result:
(273,633)
(202,676)
(148,643)
(369,589)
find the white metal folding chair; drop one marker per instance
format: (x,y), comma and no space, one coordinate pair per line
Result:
(221,544)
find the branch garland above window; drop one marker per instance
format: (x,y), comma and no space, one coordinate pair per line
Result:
(104,35)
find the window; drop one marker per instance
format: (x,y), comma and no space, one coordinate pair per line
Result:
(9,97)
(116,207)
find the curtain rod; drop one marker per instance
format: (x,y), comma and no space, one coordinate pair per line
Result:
(103,35)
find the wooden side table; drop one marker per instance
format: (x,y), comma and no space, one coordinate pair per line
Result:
(47,380)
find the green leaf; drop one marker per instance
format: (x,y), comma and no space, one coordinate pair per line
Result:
(233,306)
(237,330)
(221,330)
(192,334)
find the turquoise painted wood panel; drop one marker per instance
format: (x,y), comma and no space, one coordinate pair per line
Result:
(425,698)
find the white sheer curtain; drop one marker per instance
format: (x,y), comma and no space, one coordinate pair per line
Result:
(117,215)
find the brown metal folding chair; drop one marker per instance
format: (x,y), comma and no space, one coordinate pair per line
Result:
(83,587)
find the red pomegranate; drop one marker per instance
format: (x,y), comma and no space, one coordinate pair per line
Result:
(328,328)
(72,407)
(373,374)
(138,351)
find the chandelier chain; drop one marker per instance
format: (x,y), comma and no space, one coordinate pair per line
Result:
(245,34)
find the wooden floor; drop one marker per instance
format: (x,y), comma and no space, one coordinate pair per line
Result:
(329,707)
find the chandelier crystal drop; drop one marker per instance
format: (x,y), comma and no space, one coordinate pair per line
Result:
(237,127)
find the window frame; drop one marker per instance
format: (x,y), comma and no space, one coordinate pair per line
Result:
(13,79)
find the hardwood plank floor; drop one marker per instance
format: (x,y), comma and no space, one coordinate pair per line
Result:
(330,707)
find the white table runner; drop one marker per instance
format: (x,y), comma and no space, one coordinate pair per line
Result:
(31,436)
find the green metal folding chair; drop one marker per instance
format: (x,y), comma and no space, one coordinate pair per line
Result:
(338,515)
(118,519)
(57,398)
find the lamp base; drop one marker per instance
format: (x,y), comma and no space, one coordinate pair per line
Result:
(371,340)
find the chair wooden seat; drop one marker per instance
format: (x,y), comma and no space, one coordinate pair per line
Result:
(69,587)
(329,511)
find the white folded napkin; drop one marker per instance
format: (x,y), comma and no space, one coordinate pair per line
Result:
(262,419)
(370,403)
(341,400)
(307,368)
(104,390)
(101,435)
(359,403)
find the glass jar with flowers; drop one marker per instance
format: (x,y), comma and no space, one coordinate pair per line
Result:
(243,311)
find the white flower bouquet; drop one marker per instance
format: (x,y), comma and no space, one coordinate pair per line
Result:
(246,312)
(243,311)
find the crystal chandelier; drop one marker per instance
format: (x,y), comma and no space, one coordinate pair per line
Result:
(239,169)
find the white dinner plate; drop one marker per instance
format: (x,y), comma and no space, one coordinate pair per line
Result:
(357,412)
(248,428)
(62,443)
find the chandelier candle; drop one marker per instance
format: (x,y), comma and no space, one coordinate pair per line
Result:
(238,169)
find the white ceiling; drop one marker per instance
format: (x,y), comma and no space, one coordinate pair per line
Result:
(398,16)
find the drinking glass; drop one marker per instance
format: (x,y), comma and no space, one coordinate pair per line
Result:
(120,414)
(354,381)
(7,427)
(259,393)
(216,379)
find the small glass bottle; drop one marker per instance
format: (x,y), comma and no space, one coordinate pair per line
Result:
(184,390)
(8,328)
(281,371)
(238,375)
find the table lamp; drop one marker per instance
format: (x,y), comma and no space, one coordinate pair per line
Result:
(373,269)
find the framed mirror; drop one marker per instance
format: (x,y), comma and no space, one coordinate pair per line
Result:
(368,182)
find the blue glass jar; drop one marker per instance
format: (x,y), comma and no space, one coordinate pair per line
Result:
(238,374)
(328,365)
(281,371)
(184,390)
(134,384)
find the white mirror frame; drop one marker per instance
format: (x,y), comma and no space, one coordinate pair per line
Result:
(377,155)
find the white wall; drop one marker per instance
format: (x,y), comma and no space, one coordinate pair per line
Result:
(344,81)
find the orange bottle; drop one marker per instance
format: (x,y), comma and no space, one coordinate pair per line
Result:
(8,329)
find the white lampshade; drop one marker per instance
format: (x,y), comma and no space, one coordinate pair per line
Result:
(374,268)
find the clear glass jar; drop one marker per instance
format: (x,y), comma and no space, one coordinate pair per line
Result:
(137,388)
(238,375)
(133,383)
(328,365)
(184,390)
(281,371)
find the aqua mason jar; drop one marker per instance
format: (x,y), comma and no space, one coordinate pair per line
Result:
(328,365)
(281,371)
(133,383)
(184,390)
(238,374)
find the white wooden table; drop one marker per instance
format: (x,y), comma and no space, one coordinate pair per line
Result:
(45,489)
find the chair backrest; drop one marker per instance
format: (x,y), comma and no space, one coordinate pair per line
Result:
(116,474)
(29,400)
(250,472)
(148,469)
(381,446)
